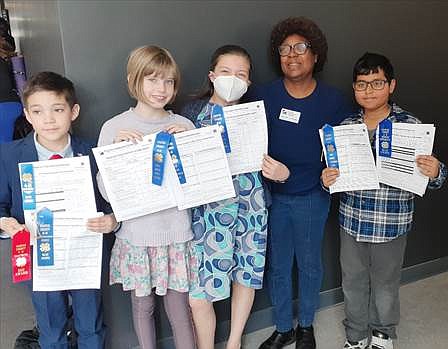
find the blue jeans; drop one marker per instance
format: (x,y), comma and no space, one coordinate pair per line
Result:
(51,310)
(296,228)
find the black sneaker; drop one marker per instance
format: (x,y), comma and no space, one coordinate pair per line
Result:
(305,338)
(28,339)
(279,340)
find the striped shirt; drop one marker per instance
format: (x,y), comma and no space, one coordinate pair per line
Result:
(383,214)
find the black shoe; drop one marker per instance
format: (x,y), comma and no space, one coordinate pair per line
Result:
(279,340)
(305,338)
(28,339)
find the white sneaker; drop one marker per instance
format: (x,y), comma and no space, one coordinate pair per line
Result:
(362,344)
(381,341)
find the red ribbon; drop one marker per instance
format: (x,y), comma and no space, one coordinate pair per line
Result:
(21,256)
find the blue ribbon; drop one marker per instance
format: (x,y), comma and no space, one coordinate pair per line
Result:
(330,146)
(28,188)
(217,118)
(385,138)
(175,157)
(45,245)
(158,156)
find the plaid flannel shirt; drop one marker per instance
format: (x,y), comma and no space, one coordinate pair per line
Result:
(383,214)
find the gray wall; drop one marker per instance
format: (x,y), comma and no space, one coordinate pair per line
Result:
(95,38)
(36,28)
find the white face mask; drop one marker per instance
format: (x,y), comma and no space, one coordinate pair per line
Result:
(229,87)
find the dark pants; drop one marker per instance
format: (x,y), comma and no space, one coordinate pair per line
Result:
(296,229)
(51,310)
(370,281)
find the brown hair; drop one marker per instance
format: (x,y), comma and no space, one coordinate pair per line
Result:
(219,52)
(304,27)
(146,60)
(53,82)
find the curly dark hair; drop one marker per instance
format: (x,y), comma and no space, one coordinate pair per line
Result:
(304,27)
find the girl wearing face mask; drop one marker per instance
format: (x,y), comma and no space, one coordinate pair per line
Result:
(230,235)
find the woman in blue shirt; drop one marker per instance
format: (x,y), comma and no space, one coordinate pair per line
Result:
(297,106)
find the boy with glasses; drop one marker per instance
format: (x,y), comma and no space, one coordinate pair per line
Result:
(374,223)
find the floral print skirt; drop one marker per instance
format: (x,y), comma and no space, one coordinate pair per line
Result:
(159,268)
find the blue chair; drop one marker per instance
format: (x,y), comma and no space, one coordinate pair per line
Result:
(9,112)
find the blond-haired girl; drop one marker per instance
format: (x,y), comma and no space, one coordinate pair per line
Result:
(153,254)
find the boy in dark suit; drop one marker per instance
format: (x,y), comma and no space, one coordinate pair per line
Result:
(51,107)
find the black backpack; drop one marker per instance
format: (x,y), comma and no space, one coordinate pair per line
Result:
(29,339)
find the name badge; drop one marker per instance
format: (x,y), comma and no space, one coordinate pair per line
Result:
(289,115)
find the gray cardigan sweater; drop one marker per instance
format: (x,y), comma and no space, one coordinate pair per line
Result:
(160,228)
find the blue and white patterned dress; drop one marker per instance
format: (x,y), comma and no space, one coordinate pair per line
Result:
(230,236)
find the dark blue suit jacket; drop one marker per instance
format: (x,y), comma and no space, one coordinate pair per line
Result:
(24,150)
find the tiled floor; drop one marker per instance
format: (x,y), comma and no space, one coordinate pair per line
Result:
(423,324)
(424,315)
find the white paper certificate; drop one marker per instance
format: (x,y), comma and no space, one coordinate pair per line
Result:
(357,169)
(248,135)
(205,165)
(126,172)
(65,187)
(400,170)
(77,258)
